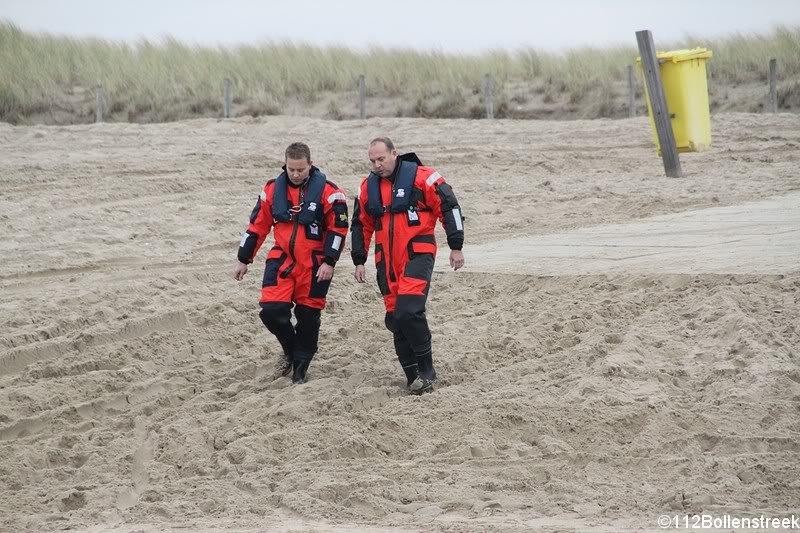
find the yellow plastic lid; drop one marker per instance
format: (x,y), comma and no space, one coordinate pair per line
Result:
(685,55)
(682,55)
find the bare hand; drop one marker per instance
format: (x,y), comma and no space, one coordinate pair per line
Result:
(456,259)
(361,273)
(325,272)
(239,271)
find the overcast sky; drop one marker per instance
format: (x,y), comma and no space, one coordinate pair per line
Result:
(447,25)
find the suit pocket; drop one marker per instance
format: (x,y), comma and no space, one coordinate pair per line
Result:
(313,232)
(421,257)
(380,265)
(275,259)
(319,289)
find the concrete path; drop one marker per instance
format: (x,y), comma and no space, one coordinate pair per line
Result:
(754,238)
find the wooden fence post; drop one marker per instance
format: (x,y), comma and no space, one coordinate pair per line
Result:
(631,93)
(362,97)
(658,104)
(226,98)
(99,104)
(487,90)
(773,92)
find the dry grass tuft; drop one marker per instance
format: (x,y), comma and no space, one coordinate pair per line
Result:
(51,79)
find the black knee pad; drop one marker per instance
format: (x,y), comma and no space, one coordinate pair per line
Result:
(391,323)
(409,308)
(276,314)
(411,324)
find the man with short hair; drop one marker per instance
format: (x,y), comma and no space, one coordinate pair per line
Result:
(400,202)
(308,214)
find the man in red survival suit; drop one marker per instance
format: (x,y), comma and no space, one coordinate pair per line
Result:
(399,202)
(309,217)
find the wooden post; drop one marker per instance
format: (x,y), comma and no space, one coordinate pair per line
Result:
(362,96)
(658,104)
(99,104)
(487,91)
(226,98)
(773,93)
(631,93)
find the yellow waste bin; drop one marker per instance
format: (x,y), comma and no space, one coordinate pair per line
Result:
(683,74)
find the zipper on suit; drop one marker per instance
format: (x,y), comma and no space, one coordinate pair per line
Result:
(293,238)
(391,236)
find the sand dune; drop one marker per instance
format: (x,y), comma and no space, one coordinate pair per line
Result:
(137,386)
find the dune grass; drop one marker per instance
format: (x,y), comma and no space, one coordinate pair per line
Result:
(147,81)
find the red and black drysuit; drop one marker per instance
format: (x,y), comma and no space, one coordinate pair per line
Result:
(401,211)
(309,223)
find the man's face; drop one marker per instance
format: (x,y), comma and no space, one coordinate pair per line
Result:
(382,159)
(297,170)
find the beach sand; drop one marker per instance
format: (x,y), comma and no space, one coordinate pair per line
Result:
(138,388)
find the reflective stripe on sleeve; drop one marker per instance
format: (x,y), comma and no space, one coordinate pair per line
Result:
(457,216)
(432,178)
(337,196)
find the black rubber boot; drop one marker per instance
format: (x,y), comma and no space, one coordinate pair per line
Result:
(277,317)
(408,361)
(413,324)
(424,356)
(421,386)
(285,364)
(427,375)
(305,340)
(411,374)
(299,371)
